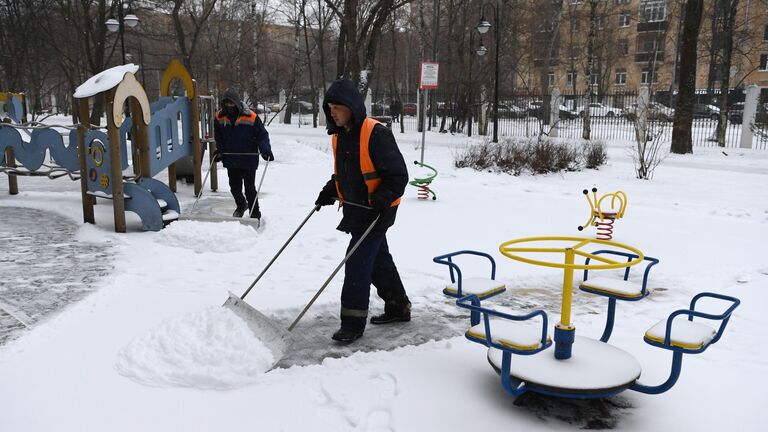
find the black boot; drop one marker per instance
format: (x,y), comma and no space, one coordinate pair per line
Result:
(393,312)
(346,336)
(256,214)
(239,212)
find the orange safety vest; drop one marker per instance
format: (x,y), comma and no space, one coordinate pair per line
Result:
(371,177)
(242,119)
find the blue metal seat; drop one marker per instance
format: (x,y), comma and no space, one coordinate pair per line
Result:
(615,288)
(461,286)
(686,336)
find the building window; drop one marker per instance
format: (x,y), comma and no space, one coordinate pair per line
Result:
(623,47)
(621,76)
(765,33)
(594,78)
(575,24)
(624,18)
(571,78)
(649,45)
(551,78)
(652,10)
(645,76)
(622,1)
(600,22)
(764,62)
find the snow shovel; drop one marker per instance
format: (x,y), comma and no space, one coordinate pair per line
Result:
(205,218)
(274,337)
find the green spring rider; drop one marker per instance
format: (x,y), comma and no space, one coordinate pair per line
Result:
(423,183)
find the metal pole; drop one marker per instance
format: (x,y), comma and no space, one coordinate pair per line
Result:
(496,76)
(423,119)
(121,28)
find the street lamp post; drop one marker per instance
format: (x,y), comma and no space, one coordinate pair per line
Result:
(482,27)
(480,51)
(124,18)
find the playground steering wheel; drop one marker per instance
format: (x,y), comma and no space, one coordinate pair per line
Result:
(569,265)
(510,252)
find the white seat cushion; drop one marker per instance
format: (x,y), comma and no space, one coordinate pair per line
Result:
(520,335)
(614,286)
(479,286)
(685,334)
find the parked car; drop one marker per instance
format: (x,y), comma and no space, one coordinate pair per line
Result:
(597,109)
(303,106)
(736,113)
(706,111)
(656,112)
(510,110)
(380,108)
(534,109)
(410,109)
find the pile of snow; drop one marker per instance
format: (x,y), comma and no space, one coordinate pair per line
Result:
(210,349)
(104,80)
(206,237)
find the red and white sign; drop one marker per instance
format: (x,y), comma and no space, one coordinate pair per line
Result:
(428,79)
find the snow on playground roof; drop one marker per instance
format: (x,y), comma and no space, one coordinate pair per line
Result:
(104,80)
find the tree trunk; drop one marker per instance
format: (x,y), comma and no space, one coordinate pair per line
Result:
(682,141)
(728,14)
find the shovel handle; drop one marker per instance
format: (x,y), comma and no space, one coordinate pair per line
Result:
(202,187)
(314,209)
(353,204)
(327,281)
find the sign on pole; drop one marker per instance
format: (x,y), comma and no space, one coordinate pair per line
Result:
(428,79)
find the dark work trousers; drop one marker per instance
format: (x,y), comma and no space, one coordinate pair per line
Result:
(371,263)
(236,179)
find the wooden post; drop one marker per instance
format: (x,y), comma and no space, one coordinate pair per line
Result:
(116,169)
(10,162)
(214,167)
(197,153)
(88,200)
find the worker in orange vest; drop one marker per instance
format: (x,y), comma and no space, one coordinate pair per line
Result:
(369,170)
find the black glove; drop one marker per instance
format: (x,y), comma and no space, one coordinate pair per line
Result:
(325,198)
(217,155)
(379,206)
(267,156)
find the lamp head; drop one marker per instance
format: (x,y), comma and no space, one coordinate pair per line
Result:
(483,26)
(112,24)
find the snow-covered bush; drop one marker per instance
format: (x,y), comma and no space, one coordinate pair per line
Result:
(534,155)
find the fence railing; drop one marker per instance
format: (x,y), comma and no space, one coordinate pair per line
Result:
(612,116)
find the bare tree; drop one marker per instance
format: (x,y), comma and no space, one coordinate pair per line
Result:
(682,140)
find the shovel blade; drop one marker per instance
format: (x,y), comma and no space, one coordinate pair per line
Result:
(274,337)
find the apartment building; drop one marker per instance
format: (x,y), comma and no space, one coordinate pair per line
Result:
(636,42)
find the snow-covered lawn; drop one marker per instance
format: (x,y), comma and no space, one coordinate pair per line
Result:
(150,349)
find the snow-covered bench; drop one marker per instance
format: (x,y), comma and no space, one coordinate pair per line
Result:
(460,286)
(620,289)
(688,336)
(518,334)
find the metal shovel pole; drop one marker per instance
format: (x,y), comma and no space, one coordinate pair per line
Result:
(203,185)
(314,209)
(349,254)
(258,189)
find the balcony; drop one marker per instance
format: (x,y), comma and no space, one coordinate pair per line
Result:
(652,26)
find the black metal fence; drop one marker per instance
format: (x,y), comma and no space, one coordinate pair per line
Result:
(612,116)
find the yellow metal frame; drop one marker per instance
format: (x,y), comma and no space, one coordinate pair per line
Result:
(595,204)
(568,265)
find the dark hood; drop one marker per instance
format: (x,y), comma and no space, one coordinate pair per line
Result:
(343,92)
(234,97)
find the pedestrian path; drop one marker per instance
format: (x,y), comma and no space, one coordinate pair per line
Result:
(43,267)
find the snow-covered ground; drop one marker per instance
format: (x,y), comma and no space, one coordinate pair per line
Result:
(150,348)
